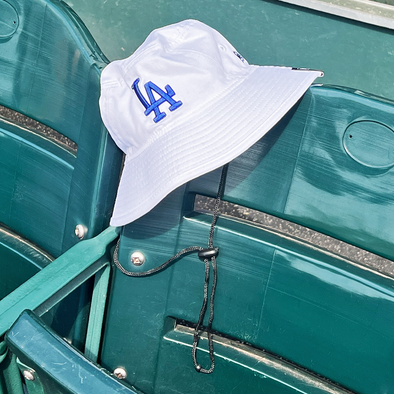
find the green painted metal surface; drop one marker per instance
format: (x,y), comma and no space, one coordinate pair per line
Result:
(56,366)
(36,177)
(307,175)
(50,70)
(49,286)
(26,260)
(96,316)
(350,53)
(42,293)
(33,386)
(9,20)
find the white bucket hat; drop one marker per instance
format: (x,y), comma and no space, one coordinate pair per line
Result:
(185,103)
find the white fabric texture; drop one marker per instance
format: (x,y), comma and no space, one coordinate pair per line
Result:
(227,106)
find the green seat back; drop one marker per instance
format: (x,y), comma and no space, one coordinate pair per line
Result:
(272,32)
(58,165)
(50,70)
(19,261)
(316,310)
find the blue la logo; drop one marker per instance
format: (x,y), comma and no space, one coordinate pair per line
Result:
(153,104)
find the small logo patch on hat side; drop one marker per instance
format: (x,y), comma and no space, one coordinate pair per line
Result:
(153,104)
(239,56)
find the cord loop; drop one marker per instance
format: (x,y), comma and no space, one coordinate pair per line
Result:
(209,256)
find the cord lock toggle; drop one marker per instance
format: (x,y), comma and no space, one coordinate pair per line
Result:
(208,253)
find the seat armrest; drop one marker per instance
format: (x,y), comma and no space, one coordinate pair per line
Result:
(56,365)
(58,279)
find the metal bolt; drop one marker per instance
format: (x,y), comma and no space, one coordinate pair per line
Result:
(80,231)
(137,258)
(120,373)
(28,375)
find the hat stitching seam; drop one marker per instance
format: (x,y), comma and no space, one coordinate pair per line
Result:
(137,56)
(181,35)
(150,46)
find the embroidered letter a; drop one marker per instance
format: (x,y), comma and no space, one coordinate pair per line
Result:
(153,104)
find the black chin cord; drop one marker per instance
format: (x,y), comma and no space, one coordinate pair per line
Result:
(209,256)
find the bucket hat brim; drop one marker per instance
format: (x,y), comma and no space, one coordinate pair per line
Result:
(210,137)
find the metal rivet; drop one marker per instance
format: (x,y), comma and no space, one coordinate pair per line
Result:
(120,373)
(28,375)
(80,231)
(137,258)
